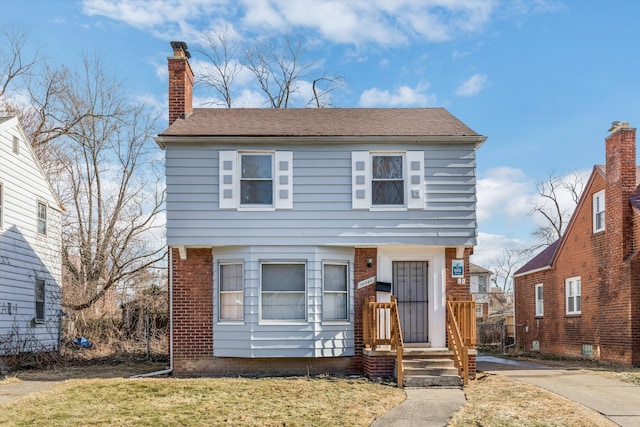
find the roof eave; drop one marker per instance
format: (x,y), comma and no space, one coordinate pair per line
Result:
(537,270)
(477,140)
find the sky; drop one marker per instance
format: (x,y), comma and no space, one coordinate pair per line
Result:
(542,79)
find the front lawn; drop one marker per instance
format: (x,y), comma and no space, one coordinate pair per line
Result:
(205,401)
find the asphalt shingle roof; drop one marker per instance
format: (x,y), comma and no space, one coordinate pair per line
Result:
(319,122)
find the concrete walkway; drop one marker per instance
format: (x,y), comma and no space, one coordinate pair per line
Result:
(424,407)
(14,390)
(616,400)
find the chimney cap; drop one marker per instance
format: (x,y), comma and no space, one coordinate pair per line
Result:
(179,46)
(616,125)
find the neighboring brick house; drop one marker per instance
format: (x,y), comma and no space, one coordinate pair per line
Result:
(280,222)
(580,297)
(30,242)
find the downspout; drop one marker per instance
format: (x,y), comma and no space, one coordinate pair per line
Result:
(170,369)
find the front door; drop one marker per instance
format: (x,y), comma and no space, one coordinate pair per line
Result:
(410,287)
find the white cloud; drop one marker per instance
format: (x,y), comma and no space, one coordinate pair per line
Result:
(505,192)
(472,86)
(381,22)
(404,96)
(491,247)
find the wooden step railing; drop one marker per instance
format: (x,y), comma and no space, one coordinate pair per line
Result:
(461,333)
(381,326)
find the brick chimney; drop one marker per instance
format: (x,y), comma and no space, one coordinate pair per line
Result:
(621,185)
(180,82)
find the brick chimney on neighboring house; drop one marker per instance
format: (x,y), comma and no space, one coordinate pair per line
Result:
(180,82)
(618,298)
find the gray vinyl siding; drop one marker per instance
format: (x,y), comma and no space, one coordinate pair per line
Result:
(26,255)
(312,337)
(322,211)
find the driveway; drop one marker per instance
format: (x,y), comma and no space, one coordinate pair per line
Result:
(616,400)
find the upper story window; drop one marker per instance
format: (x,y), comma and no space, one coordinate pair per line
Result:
(387,180)
(260,180)
(256,179)
(539,300)
(482,283)
(16,145)
(231,292)
(573,295)
(42,218)
(598,211)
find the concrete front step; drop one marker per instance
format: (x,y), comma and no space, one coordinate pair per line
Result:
(433,381)
(429,367)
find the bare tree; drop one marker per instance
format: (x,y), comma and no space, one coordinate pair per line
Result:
(559,198)
(506,264)
(281,71)
(112,191)
(222,53)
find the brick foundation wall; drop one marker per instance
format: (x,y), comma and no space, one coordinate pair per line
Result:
(231,366)
(379,364)
(192,283)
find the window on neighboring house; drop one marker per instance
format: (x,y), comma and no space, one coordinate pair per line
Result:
(40,297)
(16,145)
(478,310)
(256,180)
(42,218)
(1,206)
(573,293)
(598,211)
(335,302)
(231,292)
(283,291)
(539,300)
(482,284)
(387,180)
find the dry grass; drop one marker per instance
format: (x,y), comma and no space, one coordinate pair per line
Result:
(495,400)
(105,396)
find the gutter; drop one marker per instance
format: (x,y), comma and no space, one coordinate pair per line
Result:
(170,368)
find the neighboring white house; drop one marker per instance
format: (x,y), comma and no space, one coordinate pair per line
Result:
(30,243)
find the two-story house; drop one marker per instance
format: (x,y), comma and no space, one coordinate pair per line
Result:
(30,263)
(580,297)
(281,221)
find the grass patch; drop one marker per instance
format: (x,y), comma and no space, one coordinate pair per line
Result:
(495,400)
(205,401)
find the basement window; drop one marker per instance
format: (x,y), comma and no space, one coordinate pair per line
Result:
(587,349)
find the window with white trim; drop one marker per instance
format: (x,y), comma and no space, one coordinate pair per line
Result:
(283,291)
(42,218)
(478,310)
(1,206)
(573,295)
(231,292)
(256,180)
(539,300)
(335,300)
(387,180)
(598,211)
(40,300)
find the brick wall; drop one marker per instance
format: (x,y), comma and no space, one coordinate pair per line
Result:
(379,364)
(192,311)
(457,288)
(360,273)
(616,293)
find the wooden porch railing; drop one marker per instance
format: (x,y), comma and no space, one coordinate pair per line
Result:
(461,333)
(381,326)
